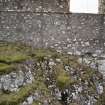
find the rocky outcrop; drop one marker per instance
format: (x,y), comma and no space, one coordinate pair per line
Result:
(46,77)
(14,80)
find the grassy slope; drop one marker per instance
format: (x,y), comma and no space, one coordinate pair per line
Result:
(12,54)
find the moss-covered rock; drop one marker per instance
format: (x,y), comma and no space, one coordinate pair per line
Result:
(17,97)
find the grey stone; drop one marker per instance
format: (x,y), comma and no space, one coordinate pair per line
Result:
(13,81)
(25,103)
(36,96)
(30,100)
(100,89)
(28,77)
(45,102)
(6,81)
(58,60)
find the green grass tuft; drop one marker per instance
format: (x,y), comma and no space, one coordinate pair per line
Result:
(13,58)
(5,68)
(63,78)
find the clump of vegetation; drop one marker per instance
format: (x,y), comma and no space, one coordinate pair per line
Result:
(6,68)
(41,53)
(10,54)
(101,100)
(13,58)
(17,97)
(63,78)
(87,73)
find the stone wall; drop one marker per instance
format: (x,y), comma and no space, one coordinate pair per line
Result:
(102,6)
(34,5)
(68,32)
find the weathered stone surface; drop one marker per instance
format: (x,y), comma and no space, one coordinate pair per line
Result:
(102,6)
(34,5)
(73,33)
